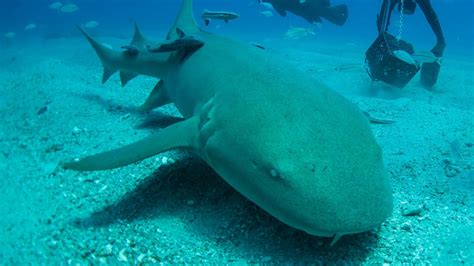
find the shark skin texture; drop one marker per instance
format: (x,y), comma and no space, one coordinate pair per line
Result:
(291,145)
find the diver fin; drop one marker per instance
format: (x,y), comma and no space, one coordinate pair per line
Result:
(179,135)
(429,74)
(336,14)
(125,77)
(157,98)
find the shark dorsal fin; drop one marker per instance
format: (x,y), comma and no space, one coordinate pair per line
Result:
(184,21)
(138,38)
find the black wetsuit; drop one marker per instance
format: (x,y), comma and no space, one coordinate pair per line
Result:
(430,15)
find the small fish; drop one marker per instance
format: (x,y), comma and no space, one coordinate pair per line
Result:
(298,32)
(10,35)
(30,26)
(266,5)
(222,15)
(373,120)
(267,13)
(183,43)
(69,8)
(42,110)
(91,24)
(56,5)
(258,45)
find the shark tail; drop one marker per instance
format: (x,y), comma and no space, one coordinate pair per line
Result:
(337,14)
(131,62)
(107,56)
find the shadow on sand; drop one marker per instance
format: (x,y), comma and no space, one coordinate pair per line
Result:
(223,215)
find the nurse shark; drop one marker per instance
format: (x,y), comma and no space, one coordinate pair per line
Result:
(288,143)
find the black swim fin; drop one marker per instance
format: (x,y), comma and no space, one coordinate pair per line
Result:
(336,14)
(429,74)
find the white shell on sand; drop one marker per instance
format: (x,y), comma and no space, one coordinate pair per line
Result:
(91,24)
(56,5)
(69,8)
(30,26)
(10,35)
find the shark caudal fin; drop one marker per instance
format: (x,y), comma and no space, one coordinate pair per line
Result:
(336,14)
(139,43)
(106,55)
(184,21)
(132,61)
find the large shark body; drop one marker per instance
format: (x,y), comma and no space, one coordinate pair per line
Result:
(291,145)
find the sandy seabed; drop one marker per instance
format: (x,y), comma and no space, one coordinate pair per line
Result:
(173,208)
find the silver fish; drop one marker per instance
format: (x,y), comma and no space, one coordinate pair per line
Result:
(222,15)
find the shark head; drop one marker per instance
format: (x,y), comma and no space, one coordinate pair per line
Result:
(321,173)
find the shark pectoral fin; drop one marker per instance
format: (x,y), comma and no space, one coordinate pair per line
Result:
(158,97)
(125,77)
(226,20)
(179,135)
(206,21)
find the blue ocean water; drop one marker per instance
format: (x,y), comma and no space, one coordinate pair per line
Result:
(456,18)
